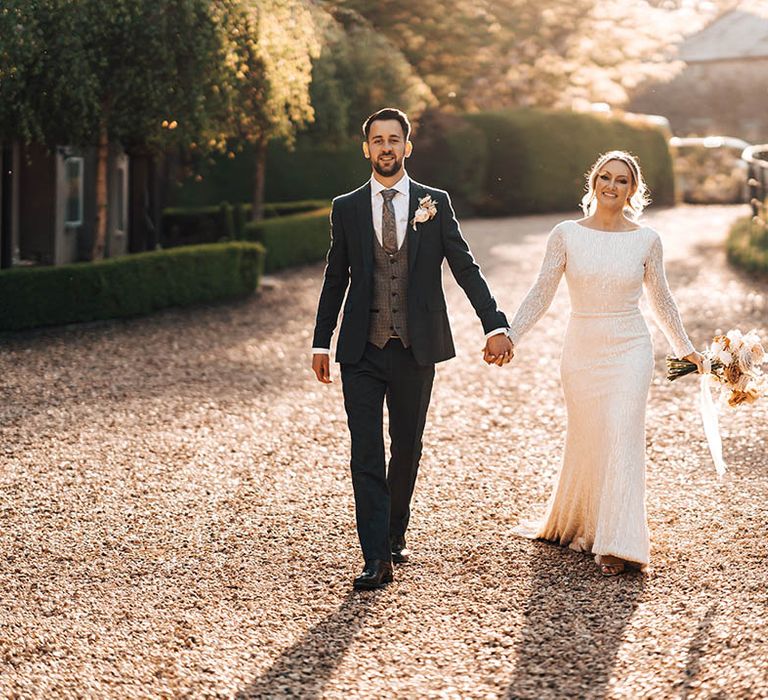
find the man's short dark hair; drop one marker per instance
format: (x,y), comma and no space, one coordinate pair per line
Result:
(386,114)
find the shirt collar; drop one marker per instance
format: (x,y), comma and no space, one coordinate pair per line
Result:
(402,185)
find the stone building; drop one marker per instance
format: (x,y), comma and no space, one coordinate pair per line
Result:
(723,88)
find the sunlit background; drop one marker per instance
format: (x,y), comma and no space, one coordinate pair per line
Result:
(176,513)
(135,125)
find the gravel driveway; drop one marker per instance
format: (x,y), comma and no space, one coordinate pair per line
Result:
(176,514)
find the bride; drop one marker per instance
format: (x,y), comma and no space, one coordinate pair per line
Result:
(598,503)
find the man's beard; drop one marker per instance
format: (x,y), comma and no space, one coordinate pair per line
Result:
(390,170)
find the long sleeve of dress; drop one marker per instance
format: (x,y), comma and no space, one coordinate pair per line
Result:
(542,292)
(662,303)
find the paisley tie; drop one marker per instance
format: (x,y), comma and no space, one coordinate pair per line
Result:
(388,225)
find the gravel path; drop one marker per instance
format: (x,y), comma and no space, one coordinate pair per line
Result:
(176,514)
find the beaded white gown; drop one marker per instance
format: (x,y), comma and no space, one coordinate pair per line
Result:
(598,502)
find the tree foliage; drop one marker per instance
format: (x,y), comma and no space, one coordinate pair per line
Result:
(358,71)
(487,54)
(88,73)
(153,75)
(270,45)
(137,67)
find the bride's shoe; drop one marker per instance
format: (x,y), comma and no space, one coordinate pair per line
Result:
(611,566)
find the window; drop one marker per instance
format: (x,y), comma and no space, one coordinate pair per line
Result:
(119,198)
(73,187)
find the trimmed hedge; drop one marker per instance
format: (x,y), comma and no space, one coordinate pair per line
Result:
(310,171)
(127,286)
(747,245)
(292,240)
(492,163)
(314,171)
(224,222)
(523,161)
(451,154)
(536,159)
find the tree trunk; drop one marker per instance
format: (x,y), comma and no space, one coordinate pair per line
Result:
(100,239)
(257,212)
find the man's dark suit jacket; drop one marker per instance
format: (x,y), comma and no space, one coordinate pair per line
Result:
(350,263)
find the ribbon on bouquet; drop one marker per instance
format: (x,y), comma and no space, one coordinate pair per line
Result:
(709,419)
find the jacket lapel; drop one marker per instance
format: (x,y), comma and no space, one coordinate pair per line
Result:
(365,226)
(414,236)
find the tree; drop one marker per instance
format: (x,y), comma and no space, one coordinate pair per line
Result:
(86,73)
(444,40)
(358,71)
(488,54)
(270,47)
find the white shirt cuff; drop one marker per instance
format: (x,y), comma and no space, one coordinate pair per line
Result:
(321,351)
(498,331)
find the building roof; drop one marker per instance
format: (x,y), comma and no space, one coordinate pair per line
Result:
(736,34)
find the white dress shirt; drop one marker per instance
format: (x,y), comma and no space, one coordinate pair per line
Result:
(400,203)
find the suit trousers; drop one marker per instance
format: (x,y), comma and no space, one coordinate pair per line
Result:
(383,496)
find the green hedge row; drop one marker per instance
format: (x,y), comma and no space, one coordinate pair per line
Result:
(493,163)
(309,171)
(528,161)
(315,171)
(747,245)
(127,286)
(292,240)
(450,153)
(224,222)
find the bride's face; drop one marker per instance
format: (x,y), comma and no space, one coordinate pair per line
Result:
(613,185)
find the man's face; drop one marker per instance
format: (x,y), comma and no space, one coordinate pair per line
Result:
(387,147)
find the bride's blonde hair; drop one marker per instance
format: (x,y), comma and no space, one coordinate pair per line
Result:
(637,201)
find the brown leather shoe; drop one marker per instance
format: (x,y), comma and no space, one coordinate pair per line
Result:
(400,553)
(375,574)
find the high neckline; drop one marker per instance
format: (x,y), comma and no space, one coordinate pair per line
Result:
(600,230)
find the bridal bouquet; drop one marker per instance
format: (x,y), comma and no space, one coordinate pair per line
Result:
(734,362)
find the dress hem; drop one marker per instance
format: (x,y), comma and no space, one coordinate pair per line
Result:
(536,533)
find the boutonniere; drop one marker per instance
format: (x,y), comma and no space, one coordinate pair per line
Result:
(426,211)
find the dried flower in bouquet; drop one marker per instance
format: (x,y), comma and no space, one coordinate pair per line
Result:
(734,362)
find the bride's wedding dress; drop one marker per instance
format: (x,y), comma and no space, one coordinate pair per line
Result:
(598,503)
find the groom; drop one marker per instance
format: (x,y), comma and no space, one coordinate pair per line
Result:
(388,242)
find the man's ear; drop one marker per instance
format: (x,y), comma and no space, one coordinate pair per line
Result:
(366,150)
(408,148)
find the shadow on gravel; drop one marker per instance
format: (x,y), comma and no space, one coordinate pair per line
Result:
(574,623)
(302,670)
(696,652)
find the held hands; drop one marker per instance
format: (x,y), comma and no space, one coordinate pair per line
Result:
(321,366)
(698,359)
(498,350)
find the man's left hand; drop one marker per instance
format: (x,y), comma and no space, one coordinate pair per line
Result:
(498,350)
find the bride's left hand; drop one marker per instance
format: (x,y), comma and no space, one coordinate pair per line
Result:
(698,359)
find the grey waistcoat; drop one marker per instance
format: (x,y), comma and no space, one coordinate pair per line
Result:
(389,305)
